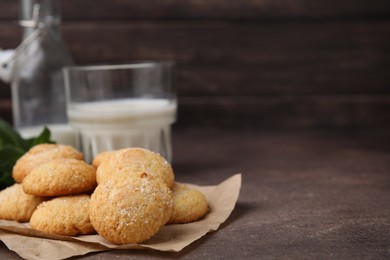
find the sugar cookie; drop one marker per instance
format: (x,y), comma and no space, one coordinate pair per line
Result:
(130,208)
(136,160)
(189,204)
(67,216)
(40,154)
(100,157)
(17,205)
(60,177)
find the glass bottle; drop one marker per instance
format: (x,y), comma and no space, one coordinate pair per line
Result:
(37,88)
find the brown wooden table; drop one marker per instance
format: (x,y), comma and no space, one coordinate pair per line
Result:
(305,194)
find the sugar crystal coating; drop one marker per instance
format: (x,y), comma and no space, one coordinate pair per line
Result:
(65,215)
(39,154)
(135,160)
(130,208)
(60,177)
(189,204)
(17,205)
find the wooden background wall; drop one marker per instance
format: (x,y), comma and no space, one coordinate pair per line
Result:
(248,63)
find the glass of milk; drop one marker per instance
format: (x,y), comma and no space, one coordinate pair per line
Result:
(119,106)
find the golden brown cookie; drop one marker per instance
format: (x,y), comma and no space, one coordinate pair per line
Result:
(189,204)
(67,216)
(17,205)
(130,208)
(60,177)
(99,158)
(136,160)
(40,154)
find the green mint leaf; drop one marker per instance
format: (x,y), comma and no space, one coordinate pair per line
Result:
(44,137)
(12,147)
(9,154)
(9,136)
(5,179)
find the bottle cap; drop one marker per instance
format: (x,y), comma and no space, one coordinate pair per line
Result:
(7,57)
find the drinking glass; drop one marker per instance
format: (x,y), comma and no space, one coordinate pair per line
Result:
(119,106)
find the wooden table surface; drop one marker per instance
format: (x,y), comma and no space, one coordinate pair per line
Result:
(305,194)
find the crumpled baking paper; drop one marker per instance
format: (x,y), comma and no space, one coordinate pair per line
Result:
(33,245)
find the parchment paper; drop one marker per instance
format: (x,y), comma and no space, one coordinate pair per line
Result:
(33,244)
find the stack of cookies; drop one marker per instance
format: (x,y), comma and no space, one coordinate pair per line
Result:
(126,195)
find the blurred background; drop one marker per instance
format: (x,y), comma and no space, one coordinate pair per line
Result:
(241,64)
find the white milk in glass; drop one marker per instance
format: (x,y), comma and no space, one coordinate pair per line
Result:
(60,133)
(115,124)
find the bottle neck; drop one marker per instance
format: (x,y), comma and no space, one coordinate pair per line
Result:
(39,14)
(49,11)
(52,30)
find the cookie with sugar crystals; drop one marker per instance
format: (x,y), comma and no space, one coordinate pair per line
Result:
(136,160)
(17,205)
(101,157)
(60,177)
(39,154)
(130,208)
(189,204)
(66,216)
